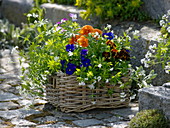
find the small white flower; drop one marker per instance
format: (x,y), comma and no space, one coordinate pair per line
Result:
(35,15)
(48,33)
(96,34)
(86,78)
(100,65)
(94,82)
(146,65)
(129,38)
(148,55)
(56,58)
(99,78)
(14,50)
(168,12)
(93,56)
(29,15)
(111,69)
(167,69)
(168,29)
(82,83)
(122,100)
(143,61)
(164,16)
(152,48)
(35,21)
(109,26)
(144,83)
(70,53)
(107,81)
(161,22)
(135,32)
(58,28)
(91,86)
(93,102)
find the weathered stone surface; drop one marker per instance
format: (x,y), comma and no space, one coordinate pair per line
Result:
(126,113)
(8,105)
(167,85)
(56,12)
(22,123)
(14,10)
(19,113)
(103,115)
(113,119)
(4,86)
(155,98)
(57,125)
(87,122)
(121,124)
(5,96)
(156,8)
(8,53)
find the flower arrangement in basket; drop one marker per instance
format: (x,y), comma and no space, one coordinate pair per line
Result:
(80,68)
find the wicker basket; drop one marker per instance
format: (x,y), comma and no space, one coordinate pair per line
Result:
(64,92)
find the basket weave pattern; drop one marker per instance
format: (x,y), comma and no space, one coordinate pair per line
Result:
(64,92)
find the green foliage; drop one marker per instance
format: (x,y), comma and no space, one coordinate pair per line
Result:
(160,53)
(9,34)
(149,119)
(140,79)
(112,9)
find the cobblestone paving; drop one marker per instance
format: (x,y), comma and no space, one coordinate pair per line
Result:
(15,114)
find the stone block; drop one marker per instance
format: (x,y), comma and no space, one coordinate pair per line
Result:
(56,12)
(155,98)
(14,10)
(156,8)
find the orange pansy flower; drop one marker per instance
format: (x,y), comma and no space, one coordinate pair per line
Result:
(97,30)
(85,30)
(74,39)
(83,41)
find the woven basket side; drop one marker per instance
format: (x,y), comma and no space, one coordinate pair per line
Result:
(64,92)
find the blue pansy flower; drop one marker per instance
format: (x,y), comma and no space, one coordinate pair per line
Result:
(70,47)
(62,63)
(86,62)
(108,35)
(71,68)
(82,58)
(84,52)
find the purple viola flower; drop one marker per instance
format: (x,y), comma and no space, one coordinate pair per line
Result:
(70,47)
(108,35)
(84,52)
(58,23)
(64,20)
(62,63)
(71,68)
(82,58)
(86,62)
(73,16)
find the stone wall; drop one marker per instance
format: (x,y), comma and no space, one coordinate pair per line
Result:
(155,98)
(156,8)
(14,10)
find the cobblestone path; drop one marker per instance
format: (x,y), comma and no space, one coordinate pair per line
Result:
(15,114)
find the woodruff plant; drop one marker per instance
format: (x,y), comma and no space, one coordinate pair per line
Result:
(160,53)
